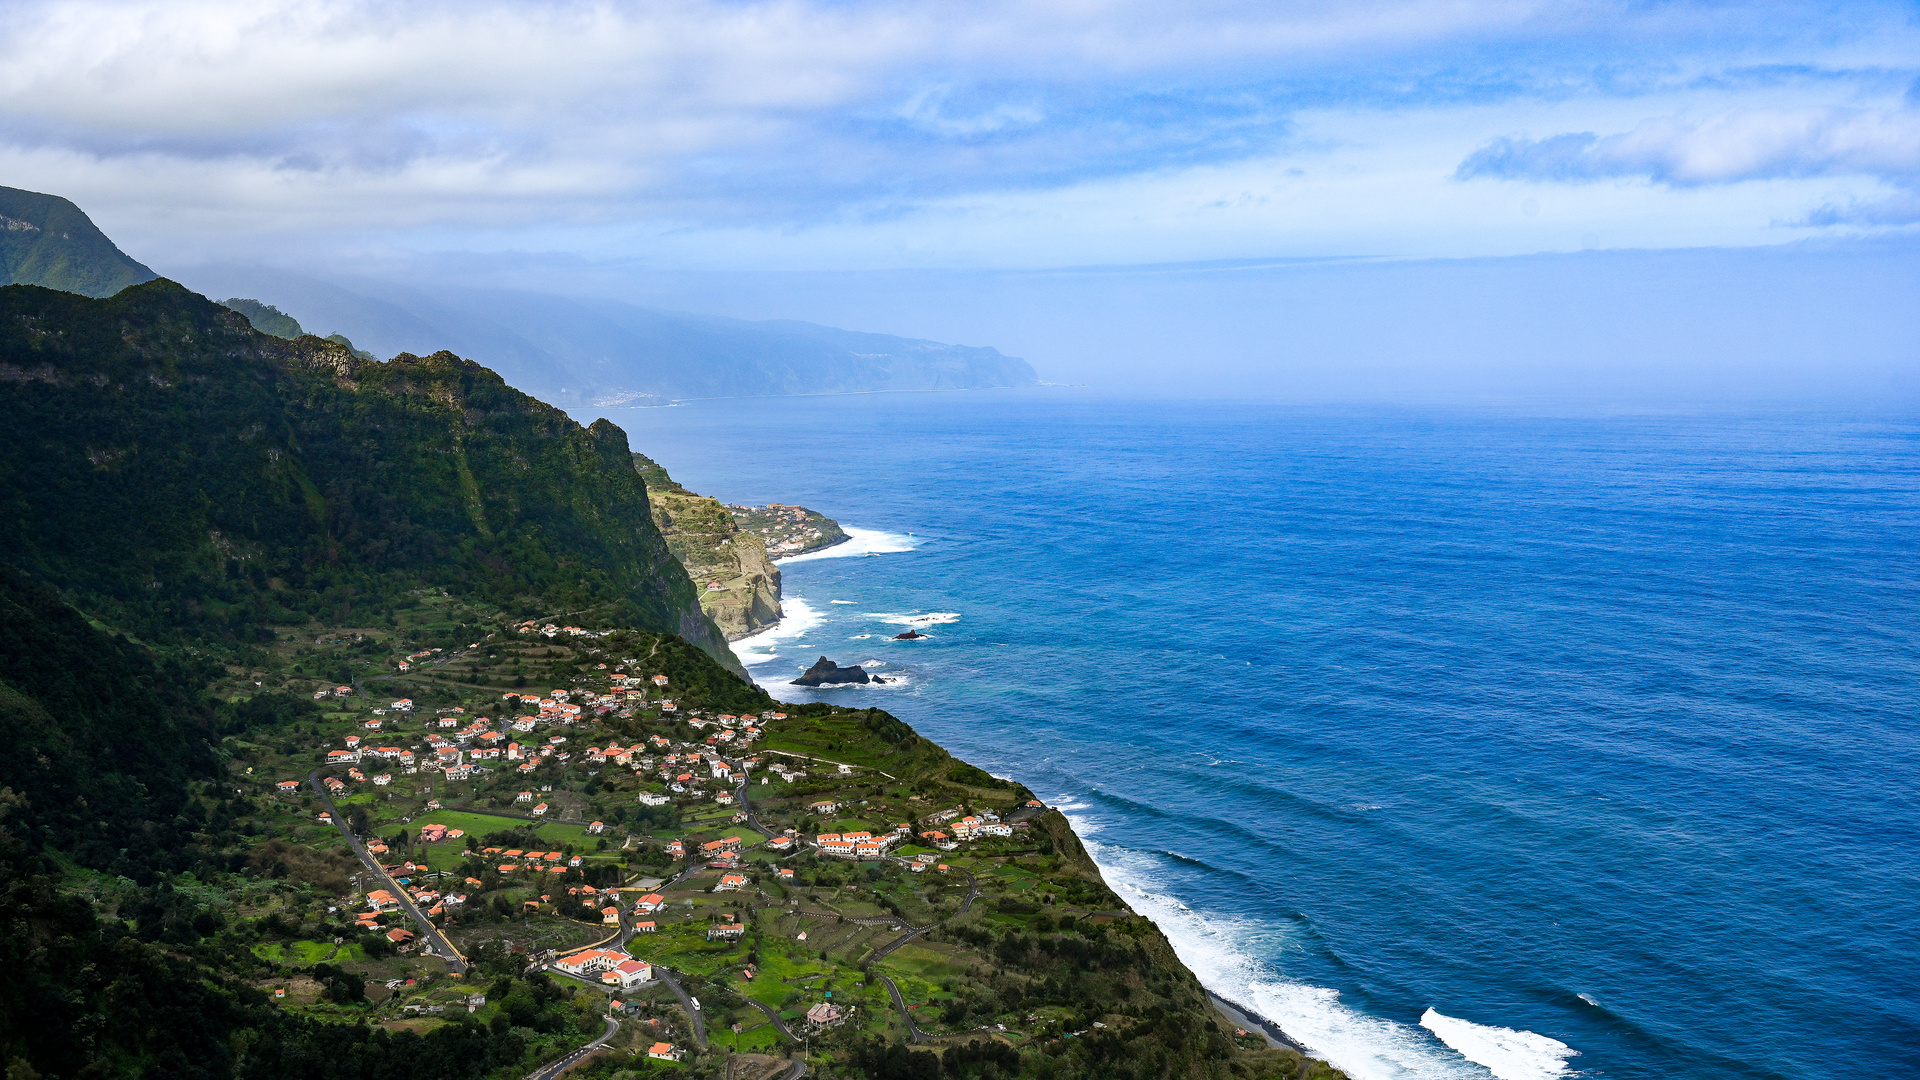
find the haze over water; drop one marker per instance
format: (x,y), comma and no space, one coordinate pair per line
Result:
(1595,736)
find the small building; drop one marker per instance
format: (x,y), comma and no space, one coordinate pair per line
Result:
(629,975)
(663,1052)
(591,961)
(730,882)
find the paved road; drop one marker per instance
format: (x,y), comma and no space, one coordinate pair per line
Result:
(779,1025)
(436,941)
(553,1069)
(686,1002)
(747,807)
(973,892)
(881,953)
(810,757)
(900,1003)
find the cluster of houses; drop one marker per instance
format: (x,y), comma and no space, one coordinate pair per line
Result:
(858,845)
(532,862)
(551,631)
(382,902)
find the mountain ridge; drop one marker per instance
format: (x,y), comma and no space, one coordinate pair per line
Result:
(593,352)
(48,241)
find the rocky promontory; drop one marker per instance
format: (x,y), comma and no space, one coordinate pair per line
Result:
(788,530)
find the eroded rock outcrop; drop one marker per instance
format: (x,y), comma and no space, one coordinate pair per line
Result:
(739,586)
(825,672)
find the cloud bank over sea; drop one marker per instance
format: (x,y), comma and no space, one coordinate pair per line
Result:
(804,134)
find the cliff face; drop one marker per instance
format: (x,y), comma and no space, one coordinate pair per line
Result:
(179,473)
(739,586)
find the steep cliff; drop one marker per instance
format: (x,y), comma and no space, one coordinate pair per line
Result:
(186,477)
(739,586)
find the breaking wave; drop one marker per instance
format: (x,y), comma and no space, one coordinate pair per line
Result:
(1507,1053)
(797,617)
(1365,1047)
(916,618)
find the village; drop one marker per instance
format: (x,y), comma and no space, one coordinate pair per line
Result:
(724,879)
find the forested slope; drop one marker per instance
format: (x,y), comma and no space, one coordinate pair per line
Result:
(191,479)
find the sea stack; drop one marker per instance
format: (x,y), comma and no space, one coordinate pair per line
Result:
(825,671)
(910,635)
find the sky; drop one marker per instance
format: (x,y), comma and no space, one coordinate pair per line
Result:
(631,141)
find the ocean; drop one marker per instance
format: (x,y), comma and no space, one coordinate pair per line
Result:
(1459,743)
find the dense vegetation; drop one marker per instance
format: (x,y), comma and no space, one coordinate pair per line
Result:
(265,317)
(194,480)
(102,735)
(46,240)
(117,775)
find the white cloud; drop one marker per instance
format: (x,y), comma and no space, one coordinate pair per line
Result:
(1750,145)
(265,124)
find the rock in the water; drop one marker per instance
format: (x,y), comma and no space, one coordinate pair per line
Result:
(825,671)
(910,635)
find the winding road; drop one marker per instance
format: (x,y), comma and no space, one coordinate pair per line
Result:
(686,1002)
(900,1003)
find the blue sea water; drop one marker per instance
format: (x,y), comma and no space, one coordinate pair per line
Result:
(1590,741)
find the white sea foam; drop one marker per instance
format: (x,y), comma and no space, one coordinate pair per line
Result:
(1365,1047)
(1589,999)
(858,542)
(842,601)
(1507,1053)
(796,618)
(859,637)
(916,618)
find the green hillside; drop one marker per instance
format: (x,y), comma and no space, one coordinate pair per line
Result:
(46,240)
(189,479)
(265,317)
